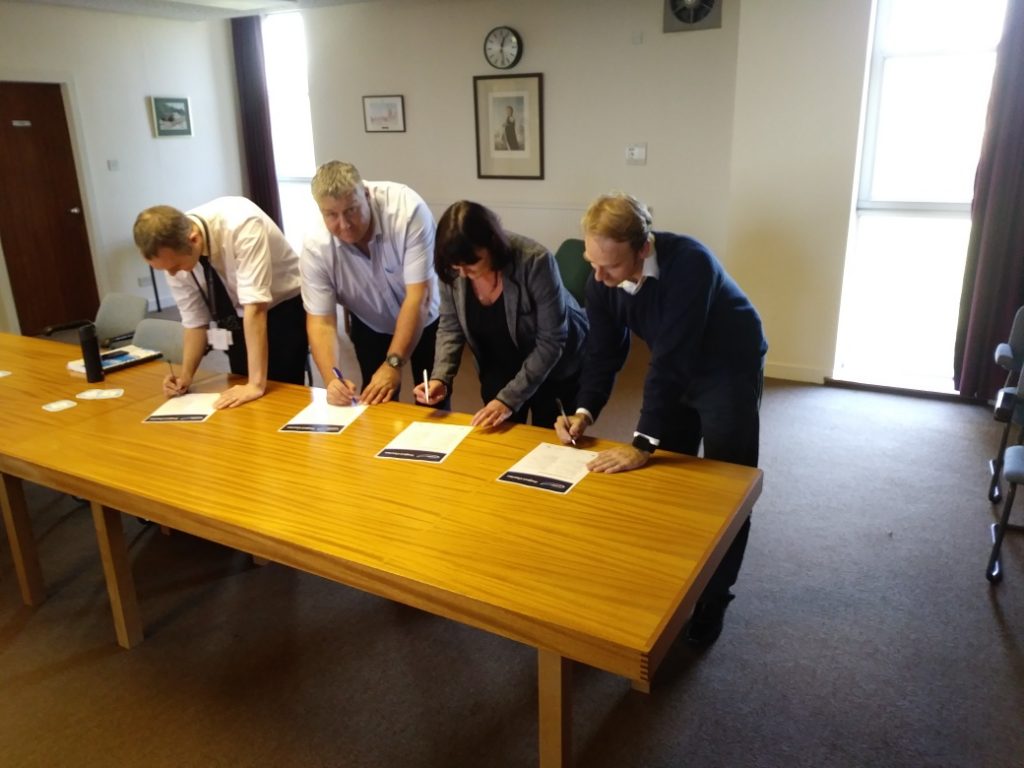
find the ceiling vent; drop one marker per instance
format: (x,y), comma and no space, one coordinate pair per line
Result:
(692,15)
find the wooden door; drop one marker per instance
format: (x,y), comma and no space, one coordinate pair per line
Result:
(42,226)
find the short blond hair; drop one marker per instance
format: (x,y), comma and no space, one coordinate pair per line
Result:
(335,179)
(162,226)
(620,217)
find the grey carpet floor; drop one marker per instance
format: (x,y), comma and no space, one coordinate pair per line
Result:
(863,633)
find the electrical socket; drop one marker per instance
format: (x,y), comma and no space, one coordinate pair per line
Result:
(636,154)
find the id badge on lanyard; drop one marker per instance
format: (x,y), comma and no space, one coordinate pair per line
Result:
(218,338)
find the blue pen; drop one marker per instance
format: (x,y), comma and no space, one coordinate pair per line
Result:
(337,372)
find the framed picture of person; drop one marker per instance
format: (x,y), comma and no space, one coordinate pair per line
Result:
(509,126)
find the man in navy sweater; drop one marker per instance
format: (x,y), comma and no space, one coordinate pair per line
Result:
(707,360)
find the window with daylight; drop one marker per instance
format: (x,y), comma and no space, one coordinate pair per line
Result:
(930,75)
(284,52)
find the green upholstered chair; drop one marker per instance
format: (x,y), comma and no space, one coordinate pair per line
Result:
(573,268)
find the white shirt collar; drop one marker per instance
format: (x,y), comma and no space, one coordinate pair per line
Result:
(650,270)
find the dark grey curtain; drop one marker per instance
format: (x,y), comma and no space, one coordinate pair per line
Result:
(255,114)
(994,273)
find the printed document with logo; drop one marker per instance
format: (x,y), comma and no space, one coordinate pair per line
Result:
(421,441)
(190,408)
(555,468)
(321,416)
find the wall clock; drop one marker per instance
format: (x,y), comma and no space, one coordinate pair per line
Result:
(503,47)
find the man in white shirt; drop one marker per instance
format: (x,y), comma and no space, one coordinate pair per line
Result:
(236,282)
(374,255)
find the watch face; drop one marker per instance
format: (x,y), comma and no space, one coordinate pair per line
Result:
(503,47)
(394,361)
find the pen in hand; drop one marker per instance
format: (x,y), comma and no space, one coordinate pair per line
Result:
(174,377)
(568,426)
(426,386)
(337,372)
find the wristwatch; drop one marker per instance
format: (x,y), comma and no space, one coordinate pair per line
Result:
(642,443)
(395,361)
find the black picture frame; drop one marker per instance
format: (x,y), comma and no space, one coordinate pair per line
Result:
(384,114)
(171,116)
(509,115)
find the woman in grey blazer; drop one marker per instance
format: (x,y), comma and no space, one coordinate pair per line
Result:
(502,294)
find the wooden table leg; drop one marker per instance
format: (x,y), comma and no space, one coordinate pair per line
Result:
(118,572)
(23,543)
(554,682)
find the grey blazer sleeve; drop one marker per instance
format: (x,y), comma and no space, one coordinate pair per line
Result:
(542,325)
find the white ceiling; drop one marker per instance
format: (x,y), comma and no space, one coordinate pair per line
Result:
(191,10)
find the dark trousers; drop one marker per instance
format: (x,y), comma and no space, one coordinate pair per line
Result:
(543,406)
(723,412)
(372,349)
(288,346)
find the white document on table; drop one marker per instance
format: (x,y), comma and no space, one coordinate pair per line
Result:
(422,441)
(190,408)
(555,468)
(321,416)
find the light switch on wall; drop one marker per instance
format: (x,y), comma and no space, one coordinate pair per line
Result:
(636,154)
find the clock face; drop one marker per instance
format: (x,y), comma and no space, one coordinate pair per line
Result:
(503,47)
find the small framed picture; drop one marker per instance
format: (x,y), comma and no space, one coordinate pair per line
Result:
(171,116)
(509,126)
(384,114)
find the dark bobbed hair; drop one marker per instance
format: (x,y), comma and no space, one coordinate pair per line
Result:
(463,228)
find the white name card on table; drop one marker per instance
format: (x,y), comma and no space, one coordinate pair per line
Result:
(321,416)
(421,441)
(193,407)
(554,468)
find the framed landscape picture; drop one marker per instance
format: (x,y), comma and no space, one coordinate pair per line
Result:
(384,114)
(171,116)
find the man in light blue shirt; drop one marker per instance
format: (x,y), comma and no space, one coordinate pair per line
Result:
(374,255)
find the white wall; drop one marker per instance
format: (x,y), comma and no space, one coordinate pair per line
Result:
(109,64)
(610,78)
(751,129)
(800,77)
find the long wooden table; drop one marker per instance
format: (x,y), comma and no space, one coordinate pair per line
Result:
(605,575)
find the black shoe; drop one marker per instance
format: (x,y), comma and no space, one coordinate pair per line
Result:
(705,625)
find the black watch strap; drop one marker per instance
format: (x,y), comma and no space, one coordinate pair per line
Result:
(642,443)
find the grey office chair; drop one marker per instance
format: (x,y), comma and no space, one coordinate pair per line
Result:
(164,336)
(116,319)
(573,267)
(1013,470)
(1009,408)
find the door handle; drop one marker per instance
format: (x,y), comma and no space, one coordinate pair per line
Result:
(75,210)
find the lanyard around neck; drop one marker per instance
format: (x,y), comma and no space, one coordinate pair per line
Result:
(210,295)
